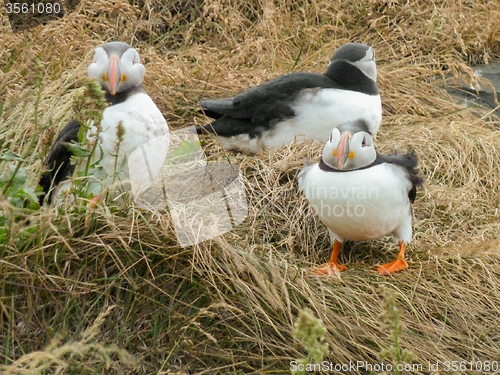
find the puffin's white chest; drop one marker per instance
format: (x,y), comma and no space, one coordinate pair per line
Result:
(131,146)
(125,127)
(360,205)
(318,111)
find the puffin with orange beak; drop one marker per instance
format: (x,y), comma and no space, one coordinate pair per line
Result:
(360,194)
(118,68)
(131,125)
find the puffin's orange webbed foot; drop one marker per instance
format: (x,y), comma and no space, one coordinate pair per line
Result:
(397,265)
(332,266)
(394,266)
(329,268)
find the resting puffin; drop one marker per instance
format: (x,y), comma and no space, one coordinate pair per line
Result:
(132,128)
(300,105)
(362,195)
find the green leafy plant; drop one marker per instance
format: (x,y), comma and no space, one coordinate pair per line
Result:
(16,196)
(13,182)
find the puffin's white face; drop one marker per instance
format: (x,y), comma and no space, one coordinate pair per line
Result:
(347,151)
(117,66)
(367,64)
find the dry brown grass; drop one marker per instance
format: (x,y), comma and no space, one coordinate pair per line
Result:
(228,305)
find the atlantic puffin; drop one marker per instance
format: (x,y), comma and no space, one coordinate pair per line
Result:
(300,105)
(360,194)
(132,129)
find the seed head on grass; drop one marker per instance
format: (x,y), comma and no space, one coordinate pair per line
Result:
(391,317)
(311,332)
(89,106)
(62,358)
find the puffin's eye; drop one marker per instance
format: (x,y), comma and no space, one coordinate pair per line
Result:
(331,137)
(363,144)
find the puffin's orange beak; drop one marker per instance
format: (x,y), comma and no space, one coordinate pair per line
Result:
(343,150)
(114,74)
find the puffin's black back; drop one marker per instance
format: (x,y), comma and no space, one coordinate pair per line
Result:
(58,161)
(284,88)
(261,107)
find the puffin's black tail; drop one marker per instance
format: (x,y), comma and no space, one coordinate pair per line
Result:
(217,108)
(413,174)
(212,114)
(203,129)
(409,162)
(411,165)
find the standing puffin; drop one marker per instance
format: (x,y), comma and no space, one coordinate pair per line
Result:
(300,105)
(362,195)
(132,129)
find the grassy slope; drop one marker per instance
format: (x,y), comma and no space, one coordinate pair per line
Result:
(229,304)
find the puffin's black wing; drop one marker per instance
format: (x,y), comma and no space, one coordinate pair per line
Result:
(409,162)
(284,88)
(260,107)
(58,161)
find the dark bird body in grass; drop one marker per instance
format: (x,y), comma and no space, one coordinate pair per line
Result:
(130,121)
(362,195)
(58,161)
(300,105)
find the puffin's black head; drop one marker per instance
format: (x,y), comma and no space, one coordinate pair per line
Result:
(360,55)
(117,66)
(354,52)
